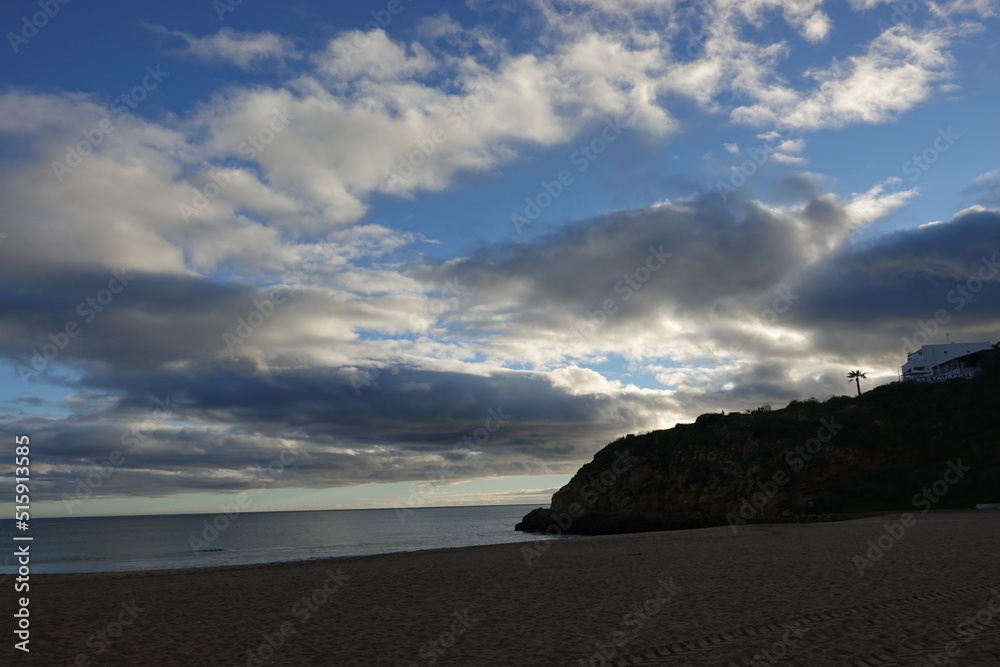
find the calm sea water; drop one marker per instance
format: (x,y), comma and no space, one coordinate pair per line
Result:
(108,544)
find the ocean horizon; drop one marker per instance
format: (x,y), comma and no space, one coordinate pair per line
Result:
(176,541)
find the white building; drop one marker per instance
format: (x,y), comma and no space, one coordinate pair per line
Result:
(932,363)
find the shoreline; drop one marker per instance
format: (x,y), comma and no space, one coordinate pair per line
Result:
(799,519)
(138,574)
(733,596)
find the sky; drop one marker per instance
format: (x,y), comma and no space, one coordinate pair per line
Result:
(396,254)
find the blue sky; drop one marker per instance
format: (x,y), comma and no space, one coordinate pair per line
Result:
(342,236)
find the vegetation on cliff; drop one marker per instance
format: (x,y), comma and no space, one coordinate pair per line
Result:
(883,450)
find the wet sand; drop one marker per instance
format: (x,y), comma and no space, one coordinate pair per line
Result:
(770,594)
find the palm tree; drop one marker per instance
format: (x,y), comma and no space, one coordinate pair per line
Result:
(857,376)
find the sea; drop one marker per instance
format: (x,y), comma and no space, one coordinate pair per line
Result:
(157,542)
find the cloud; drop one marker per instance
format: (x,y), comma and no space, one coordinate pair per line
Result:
(784,152)
(243,49)
(897,72)
(376,361)
(868,4)
(885,290)
(369,114)
(985,187)
(593,290)
(792,146)
(784,158)
(472,425)
(355,411)
(805,15)
(798,186)
(945,9)
(982,8)
(373,55)
(29,399)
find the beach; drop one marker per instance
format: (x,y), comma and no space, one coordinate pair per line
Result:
(872,591)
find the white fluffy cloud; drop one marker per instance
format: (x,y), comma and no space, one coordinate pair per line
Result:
(897,72)
(373,114)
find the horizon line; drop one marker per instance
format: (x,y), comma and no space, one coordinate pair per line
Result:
(329,509)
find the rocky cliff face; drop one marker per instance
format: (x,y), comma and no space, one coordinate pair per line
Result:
(874,452)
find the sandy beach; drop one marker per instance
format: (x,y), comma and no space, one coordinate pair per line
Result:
(817,594)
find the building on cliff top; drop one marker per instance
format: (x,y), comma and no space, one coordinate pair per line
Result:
(934,363)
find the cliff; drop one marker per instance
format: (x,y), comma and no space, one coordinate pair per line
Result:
(896,447)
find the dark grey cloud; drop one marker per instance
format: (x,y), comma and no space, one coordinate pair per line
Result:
(731,265)
(885,288)
(517,423)
(720,256)
(152,369)
(151,320)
